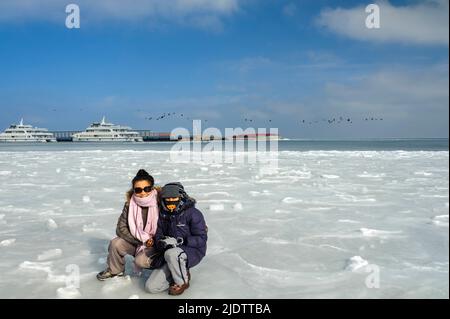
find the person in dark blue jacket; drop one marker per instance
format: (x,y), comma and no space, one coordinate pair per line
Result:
(180,239)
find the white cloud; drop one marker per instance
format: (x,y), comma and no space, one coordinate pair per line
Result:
(413,102)
(395,90)
(426,23)
(199,13)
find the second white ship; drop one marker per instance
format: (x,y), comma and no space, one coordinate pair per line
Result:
(107,132)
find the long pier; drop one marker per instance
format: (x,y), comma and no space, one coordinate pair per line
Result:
(150,136)
(147,136)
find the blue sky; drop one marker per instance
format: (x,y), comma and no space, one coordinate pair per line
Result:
(275,62)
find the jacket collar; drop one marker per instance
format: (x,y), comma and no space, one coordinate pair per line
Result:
(184,205)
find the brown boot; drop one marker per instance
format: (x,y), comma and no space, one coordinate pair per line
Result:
(176,290)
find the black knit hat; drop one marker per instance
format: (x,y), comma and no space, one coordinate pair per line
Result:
(172,190)
(142,175)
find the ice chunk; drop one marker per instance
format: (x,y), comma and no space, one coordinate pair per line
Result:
(5,173)
(316,209)
(49,254)
(134,297)
(301,174)
(330,176)
(51,224)
(256,193)
(349,221)
(291,200)
(90,227)
(7,242)
(216,207)
(68,293)
(226,194)
(237,206)
(356,263)
(39,266)
(282,211)
(367,175)
(277,241)
(378,233)
(86,199)
(440,220)
(422,173)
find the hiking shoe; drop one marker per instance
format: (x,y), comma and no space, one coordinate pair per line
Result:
(106,274)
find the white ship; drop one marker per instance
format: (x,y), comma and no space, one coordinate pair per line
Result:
(26,133)
(107,132)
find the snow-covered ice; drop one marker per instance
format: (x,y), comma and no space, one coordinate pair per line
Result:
(304,232)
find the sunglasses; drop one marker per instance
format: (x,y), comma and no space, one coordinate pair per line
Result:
(138,190)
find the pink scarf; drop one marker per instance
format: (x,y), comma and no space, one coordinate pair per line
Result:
(135,222)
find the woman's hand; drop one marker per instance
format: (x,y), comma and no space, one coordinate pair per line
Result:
(149,243)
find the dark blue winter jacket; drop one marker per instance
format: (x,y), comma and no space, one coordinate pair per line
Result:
(189,224)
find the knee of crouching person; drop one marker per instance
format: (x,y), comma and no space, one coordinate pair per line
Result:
(142,261)
(153,288)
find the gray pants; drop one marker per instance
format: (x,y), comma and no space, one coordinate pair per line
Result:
(173,271)
(119,248)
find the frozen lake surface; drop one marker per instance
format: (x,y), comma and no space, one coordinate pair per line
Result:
(327,224)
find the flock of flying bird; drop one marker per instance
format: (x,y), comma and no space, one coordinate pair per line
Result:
(337,120)
(334,120)
(167,116)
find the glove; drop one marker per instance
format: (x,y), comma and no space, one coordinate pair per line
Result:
(149,243)
(170,242)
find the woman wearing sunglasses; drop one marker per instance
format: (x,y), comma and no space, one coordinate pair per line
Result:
(135,229)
